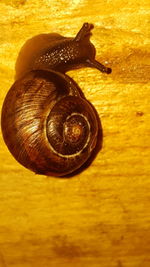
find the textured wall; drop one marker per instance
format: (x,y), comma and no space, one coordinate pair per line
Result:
(101,217)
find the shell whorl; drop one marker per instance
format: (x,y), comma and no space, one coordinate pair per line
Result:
(55,129)
(70,127)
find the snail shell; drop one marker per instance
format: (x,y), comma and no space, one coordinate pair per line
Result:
(47,124)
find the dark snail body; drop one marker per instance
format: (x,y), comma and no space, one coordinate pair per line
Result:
(55,52)
(47,124)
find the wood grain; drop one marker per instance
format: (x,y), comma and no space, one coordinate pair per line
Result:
(100,217)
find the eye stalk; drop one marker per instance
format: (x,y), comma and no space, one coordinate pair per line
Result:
(83,36)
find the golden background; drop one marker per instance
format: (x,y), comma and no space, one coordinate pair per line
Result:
(100,217)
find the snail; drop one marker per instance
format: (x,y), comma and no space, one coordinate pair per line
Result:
(47,124)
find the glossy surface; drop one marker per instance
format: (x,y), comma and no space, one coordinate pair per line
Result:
(34,114)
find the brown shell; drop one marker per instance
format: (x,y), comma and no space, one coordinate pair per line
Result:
(33,107)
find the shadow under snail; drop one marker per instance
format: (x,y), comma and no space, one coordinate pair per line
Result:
(47,124)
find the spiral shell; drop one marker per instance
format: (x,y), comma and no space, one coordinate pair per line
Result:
(48,127)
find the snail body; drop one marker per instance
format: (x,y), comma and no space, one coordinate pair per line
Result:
(47,124)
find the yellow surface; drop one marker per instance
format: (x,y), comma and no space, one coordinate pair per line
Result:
(100,217)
